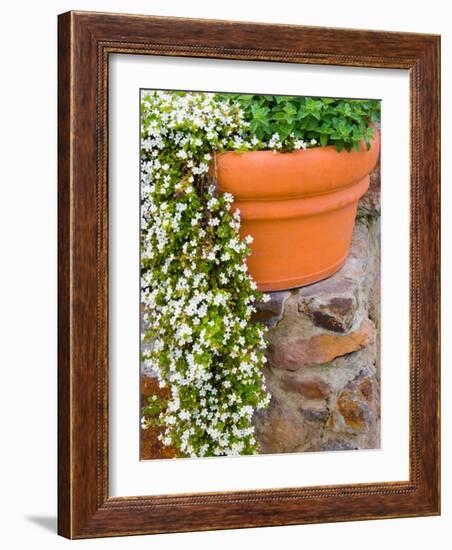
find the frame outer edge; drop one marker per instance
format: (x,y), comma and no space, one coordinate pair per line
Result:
(64,277)
(431,266)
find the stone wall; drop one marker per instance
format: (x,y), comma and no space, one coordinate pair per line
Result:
(323,357)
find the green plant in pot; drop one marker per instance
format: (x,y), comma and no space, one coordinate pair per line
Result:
(298,189)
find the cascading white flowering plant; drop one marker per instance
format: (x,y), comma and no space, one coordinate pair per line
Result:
(196,292)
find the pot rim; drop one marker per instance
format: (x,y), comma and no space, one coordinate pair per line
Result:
(251,175)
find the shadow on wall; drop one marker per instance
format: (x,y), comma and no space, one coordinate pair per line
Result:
(49,523)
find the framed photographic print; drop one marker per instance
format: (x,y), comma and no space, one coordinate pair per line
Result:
(248,274)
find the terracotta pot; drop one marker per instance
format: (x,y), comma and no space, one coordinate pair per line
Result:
(300,208)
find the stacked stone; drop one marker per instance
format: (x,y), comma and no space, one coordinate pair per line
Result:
(323,358)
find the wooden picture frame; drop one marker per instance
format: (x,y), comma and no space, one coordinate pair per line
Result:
(85,42)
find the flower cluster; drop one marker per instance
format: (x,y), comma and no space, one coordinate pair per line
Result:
(197,296)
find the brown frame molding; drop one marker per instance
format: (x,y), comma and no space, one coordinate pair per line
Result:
(85,41)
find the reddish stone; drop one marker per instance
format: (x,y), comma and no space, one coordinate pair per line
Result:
(312,388)
(150,445)
(354,411)
(366,389)
(323,348)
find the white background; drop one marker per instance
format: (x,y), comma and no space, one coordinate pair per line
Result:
(128,476)
(28,271)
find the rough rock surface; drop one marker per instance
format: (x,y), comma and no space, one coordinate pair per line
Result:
(323,371)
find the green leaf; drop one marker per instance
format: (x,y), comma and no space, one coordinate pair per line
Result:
(290,109)
(280,115)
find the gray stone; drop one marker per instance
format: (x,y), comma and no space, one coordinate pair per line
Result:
(369,205)
(271,312)
(315,415)
(337,445)
(281,430)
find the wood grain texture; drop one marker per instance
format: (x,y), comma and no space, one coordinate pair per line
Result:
(64,295)
(85,42)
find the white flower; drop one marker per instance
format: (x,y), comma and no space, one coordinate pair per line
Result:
(212,203)
(300,144)
(182,154)
(184,415)
(275,141)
